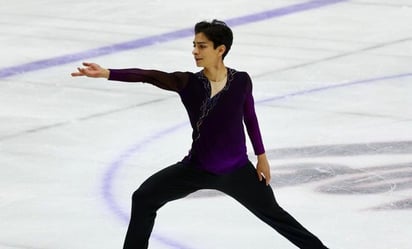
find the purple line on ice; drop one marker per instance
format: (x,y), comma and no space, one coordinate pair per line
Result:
(335,86)
(157,39)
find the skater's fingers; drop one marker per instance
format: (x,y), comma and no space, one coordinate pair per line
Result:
(91,65)
(259,175)
(80,72)
(264,175)
(75,74)
(267,178)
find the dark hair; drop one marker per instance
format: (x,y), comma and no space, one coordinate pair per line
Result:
(217,32)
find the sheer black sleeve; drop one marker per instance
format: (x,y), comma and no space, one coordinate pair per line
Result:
(175,81)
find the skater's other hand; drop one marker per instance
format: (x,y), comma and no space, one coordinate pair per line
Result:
(263,169)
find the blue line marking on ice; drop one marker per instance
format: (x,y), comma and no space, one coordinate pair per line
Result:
(157,39)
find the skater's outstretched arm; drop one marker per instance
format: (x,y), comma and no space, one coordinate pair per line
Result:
(174,81)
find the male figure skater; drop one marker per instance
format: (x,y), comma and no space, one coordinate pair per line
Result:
(219,102)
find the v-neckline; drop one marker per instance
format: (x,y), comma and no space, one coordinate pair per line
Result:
(217,92)
(208,84)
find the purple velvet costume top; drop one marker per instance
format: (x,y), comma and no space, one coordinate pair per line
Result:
(219,143)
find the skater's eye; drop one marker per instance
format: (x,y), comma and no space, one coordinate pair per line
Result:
(201,45)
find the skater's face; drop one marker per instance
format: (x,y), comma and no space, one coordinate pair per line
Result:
(204,52)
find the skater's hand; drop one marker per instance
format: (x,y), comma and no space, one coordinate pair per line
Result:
(263,169)
(92,70)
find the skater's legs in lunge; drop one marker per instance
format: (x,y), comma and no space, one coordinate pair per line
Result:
(178,181)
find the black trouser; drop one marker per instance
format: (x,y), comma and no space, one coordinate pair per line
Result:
(179,180)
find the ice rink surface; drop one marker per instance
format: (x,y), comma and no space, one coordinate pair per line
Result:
(333,91)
